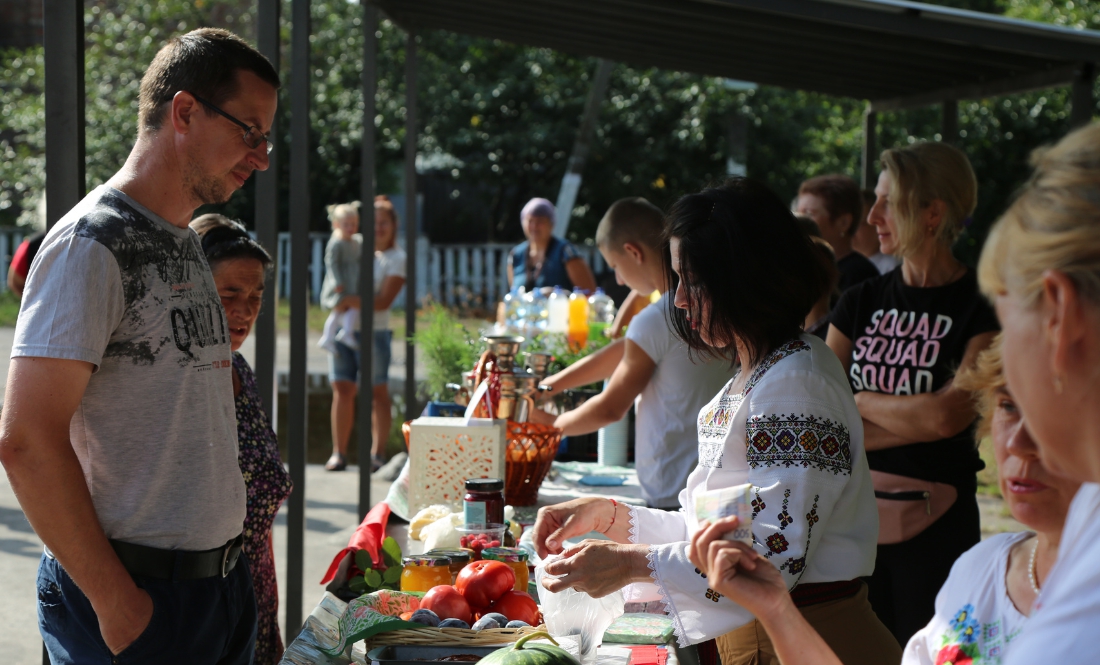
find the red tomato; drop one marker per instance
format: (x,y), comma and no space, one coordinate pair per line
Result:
(482,582)
(447,603)
(517,606)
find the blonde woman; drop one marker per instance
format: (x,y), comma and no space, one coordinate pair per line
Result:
(1041,266)
(900,337)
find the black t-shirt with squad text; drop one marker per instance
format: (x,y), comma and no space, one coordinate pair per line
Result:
(909,340)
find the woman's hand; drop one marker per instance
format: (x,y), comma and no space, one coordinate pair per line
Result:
(555,524)
(598,567)
(736,570)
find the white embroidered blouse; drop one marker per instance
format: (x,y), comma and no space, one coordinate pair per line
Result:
(795,434)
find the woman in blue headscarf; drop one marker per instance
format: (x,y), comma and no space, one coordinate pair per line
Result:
(544,260)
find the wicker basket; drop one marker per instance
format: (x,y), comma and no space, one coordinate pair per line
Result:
(461,637)
(531,451)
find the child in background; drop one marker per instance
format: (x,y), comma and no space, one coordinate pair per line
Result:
(651,365)
(341,278)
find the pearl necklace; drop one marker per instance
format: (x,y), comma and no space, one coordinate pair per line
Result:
(1031,569)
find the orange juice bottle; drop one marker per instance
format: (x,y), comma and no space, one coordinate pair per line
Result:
(578,320)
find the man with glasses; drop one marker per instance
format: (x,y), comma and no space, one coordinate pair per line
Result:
(118,431)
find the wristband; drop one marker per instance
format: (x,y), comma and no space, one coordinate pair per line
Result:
(614,513)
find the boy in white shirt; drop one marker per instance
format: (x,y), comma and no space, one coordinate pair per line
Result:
(650,365)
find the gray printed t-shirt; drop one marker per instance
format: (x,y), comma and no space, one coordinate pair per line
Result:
(156,432)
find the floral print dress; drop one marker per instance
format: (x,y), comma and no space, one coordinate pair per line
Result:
(268,485)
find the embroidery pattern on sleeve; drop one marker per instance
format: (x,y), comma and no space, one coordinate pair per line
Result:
(798,440)
(714,425)
(797,565)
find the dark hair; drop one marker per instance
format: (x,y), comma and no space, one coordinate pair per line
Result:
(808,226)
(742,251)
(841,195)
(203,62)
(634,220)
(827,256)
(224,239)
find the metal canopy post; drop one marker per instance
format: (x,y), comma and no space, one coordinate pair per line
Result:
(870,127)
(63,41)
(949,132)
(412,231)
(366,256)
(267,219)
(1082,104)
(298,402)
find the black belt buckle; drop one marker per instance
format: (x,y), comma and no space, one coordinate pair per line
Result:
(230,555)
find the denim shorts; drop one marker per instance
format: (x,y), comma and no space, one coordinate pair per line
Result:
(344,364)
(210,620)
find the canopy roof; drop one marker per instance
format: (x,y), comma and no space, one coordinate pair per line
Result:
(896,54)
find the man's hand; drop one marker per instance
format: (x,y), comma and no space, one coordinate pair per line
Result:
(736,570)
(598,568)
(555,524)
(122,624)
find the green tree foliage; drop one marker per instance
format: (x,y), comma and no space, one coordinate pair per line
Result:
(497,120)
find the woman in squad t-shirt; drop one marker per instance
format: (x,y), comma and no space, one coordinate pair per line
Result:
(901,337)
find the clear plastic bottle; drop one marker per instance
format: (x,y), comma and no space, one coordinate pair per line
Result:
(601,308)
(578,319)
(558,306)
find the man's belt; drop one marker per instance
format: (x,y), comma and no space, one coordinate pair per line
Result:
(144,561)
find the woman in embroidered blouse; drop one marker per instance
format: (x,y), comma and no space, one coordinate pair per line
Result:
(746,277)
(239,265)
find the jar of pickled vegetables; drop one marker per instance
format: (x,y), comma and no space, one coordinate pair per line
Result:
(458,558)
(424,571)
(516,560)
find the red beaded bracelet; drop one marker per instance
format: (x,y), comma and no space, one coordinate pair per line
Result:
(614,513)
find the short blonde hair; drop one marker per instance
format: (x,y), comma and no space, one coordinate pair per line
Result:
(1054,223)
(983,380)
(923,173)
(341,210)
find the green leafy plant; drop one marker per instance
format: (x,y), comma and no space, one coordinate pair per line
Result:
(448,349)
(365,578)
(557,345)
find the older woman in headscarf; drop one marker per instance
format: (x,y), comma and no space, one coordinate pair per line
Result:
(543,259)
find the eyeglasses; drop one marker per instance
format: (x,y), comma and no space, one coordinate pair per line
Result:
(252,135)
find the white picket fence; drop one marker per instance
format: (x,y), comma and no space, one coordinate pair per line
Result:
(466,275)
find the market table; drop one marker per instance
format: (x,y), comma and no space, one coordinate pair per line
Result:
(565,482)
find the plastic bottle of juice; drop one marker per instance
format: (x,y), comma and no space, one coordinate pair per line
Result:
(578,319)
(558,306)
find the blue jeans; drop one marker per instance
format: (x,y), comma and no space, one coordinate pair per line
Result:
(344,364)
(195,622)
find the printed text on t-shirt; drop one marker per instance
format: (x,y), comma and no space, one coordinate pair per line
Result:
(895,353)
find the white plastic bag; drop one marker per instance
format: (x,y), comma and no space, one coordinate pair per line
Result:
(575,613)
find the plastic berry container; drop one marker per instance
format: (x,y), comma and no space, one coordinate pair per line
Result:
(478,537)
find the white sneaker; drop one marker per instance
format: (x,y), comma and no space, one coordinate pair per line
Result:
(347,339)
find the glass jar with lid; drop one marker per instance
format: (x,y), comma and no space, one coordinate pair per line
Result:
(459,559)
(484,501)
(515,558)
(424,571)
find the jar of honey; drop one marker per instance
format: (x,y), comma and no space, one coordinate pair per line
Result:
(424,571)
(459,559)
(516,560)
